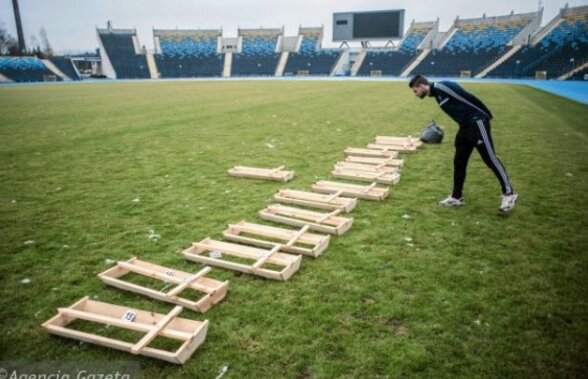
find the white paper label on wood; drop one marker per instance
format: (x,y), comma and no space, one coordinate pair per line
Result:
(129,316)
(215,254)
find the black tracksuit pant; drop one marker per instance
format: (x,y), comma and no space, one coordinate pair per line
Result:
(476,134)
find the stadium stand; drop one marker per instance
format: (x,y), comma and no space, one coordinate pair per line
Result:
(386,62)
(310,59)
(123,51)
(26,69)
(258,56)
(188,53)
(474,44)
(560,47)
(66,66)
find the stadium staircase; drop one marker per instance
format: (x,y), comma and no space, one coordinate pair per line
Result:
(395,62)
(227,65)
(4,79)
(415,63)
(65,65)
(54,69)
(152,66)
(500,60)
(282,63)
(358,62)
(575,71)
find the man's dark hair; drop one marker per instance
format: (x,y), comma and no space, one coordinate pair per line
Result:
(417,80)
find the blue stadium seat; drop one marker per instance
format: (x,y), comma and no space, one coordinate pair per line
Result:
(393,62)
(121,52)
(66,66)
(188,54)
(25,69)
(562,49)
(310,59)
(473,47)
(258,56)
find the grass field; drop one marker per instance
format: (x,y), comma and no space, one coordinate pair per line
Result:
(473,294)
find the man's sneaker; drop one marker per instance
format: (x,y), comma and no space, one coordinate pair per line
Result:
(452,202)
(508,202)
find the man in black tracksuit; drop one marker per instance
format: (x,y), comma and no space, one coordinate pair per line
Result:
(473,118)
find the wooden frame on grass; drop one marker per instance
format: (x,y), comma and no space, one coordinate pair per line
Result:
(216,249)
(214,290)
(365,176)
(277,174)
(388,162)
(371,153)
(389,140)
(321,222)
(315,200)
(191,332)
(365,167)
(407,149)
(295,241)
(371,192)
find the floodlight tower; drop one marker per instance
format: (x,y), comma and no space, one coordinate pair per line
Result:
(21,40)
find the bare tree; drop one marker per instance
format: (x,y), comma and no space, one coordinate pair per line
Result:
(47,50)
(7,41)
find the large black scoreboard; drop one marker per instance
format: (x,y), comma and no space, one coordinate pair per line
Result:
(365,26)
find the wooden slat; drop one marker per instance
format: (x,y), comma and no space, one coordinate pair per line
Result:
(150,336)
(365,167)
(187,282)
(389,162)
(353,190)
(300,217)
(193,333)
(315,200)
(398,148)
(263,259)
(276,174)
(312,244)
(373,153)
(383,177)
(290,262)
(214,290)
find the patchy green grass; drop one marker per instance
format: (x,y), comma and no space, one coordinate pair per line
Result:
(475,295)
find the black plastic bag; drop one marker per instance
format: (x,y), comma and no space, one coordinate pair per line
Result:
(432,133)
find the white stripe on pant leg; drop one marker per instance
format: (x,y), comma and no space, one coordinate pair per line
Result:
(492,155)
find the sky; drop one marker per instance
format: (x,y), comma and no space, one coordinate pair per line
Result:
(71,24)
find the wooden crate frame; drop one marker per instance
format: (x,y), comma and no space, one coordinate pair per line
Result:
(406,149)
(329,223)
(214,290)
(313,244)
(315,200)
(371,153)
(371,192)
(365,167)
(276,174)
(387,162)
(290,262)
(391,140)
(364,176)
(192,333)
